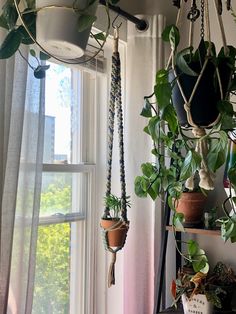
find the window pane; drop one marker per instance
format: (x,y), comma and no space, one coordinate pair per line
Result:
(63,193)
(52,280)
(61,115)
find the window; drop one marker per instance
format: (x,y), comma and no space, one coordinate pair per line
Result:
(64,248)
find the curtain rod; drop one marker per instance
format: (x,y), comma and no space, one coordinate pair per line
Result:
(140,24)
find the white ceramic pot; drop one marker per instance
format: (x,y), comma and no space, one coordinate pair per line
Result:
(198,305)
(57,31)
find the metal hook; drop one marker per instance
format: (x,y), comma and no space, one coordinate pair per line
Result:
(113,22)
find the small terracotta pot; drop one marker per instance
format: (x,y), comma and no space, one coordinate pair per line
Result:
(191,204)
(116,231)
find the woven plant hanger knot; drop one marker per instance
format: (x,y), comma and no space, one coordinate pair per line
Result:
(115,109)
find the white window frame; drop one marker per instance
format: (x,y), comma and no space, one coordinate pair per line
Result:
(82,233)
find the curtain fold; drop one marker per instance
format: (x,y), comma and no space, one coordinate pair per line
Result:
(21,141)
(144,57)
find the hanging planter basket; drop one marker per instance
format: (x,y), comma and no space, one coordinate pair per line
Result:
(204,103)
(57,28)
(115,231)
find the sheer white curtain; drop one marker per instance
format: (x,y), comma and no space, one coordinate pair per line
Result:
(144,57)
(21,135)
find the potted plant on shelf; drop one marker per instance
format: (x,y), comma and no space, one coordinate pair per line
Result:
(204,152)
(190,287)
(197,291)
(114,226)
(61,28)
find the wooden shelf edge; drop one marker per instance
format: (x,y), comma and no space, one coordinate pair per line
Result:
(198,231)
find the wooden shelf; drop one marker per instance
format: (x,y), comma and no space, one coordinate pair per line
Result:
(198,231)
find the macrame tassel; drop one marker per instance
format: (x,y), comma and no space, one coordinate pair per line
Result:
(206,177)
(189,184)
(206,180)
(111,274)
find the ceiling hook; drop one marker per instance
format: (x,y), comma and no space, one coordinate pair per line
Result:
(113,22)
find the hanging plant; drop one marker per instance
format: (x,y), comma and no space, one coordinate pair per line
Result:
(114,221)
(82,14)
(179,104)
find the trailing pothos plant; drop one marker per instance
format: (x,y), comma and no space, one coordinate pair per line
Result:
(17,34)
(174,149)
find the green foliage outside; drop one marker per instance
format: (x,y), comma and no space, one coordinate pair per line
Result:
(52,282)
(55,199)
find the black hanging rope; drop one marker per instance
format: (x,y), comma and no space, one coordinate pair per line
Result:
(116,106)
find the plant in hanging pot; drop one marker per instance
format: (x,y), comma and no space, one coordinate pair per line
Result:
(61,28)
(113,222)
(178,155)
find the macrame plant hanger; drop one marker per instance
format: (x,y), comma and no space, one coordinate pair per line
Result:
(206,177)
(121,226)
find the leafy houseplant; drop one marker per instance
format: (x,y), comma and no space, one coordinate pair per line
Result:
(205,151)
(17,34)
(214,285)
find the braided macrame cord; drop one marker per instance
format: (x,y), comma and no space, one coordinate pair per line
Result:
(120,226)
(206,176)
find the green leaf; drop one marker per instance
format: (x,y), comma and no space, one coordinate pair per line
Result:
(43,56)
(171,35)
(225,106)
(10,14)
(190,165)
(215,160)
(153,128)
(138,187)
(174,38)
(162,76)
(182,63)
(3,22)
(169,115)
(100,36)
(32,52)
(192,247)
(85,22)
(10,44)
(147,109)
(178,220)
(148,169)
(163,94)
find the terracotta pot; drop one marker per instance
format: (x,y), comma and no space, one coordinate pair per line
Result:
(57,30)
(117,231)
(191,204)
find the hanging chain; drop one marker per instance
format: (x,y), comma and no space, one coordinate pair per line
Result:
(194,13)
(202,29)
